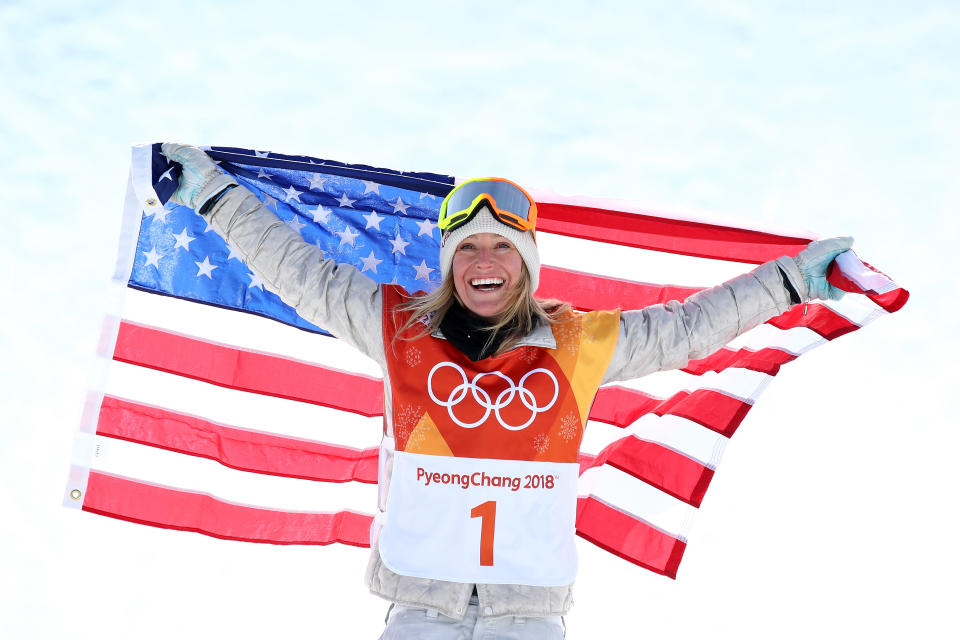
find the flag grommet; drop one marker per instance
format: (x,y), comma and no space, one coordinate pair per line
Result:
(151,202)
(75,494)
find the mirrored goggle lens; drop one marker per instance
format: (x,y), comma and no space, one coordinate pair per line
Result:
(507,196)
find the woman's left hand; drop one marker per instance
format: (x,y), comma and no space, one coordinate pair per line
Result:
(813,263)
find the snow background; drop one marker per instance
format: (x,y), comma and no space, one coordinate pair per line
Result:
(831,514)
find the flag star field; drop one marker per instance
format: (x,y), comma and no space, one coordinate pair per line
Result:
(385,231)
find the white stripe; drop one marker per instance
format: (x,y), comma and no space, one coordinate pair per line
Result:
(743,384)
(133,211)
(246,410)
(683,436)
(141,180)
(858,309)
(866,278)
(252,332)
(794,341)
(638,498)
(598,435)
(193,473)
(639,265)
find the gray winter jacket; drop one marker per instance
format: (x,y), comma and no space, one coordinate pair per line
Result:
(348,304)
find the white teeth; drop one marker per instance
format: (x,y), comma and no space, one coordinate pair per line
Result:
(477,282)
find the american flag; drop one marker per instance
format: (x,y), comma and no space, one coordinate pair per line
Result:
(219,410)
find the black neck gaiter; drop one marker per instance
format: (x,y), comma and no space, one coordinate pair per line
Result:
(469,332)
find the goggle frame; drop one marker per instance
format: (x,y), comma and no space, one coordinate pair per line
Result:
(448,222)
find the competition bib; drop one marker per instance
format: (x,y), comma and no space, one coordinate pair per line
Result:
(479,520)
(482,487)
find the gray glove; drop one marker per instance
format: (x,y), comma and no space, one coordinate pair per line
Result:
(813,262)
(201,178)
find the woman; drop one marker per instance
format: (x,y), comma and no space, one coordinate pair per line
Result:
(486,390)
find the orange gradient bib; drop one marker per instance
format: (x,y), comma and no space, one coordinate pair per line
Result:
(485,469)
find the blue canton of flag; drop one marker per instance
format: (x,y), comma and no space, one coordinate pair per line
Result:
(382,222)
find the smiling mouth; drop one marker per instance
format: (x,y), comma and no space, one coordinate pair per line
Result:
(486,284)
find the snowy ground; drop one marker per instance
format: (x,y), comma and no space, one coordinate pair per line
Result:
(831,513)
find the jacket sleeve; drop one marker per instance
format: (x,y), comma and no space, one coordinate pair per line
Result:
(334,296)
(667,336)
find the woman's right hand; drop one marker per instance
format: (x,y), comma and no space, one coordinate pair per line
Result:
(201,178)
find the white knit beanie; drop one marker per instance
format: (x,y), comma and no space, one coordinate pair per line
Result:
(484,222)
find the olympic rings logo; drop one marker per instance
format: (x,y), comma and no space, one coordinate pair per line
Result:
(483,399)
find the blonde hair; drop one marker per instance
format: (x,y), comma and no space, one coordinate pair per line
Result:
(518,317)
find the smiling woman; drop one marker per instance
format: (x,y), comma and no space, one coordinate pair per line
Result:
(487,269)
(482,380)
(490,268)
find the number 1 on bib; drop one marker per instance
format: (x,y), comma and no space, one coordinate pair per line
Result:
(487,512)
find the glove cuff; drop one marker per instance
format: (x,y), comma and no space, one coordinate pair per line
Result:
(214,186)
(791,271)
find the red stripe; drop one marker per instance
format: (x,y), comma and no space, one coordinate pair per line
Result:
(233,447)
(628,537)
(585,460)
(621,406)
(817,318)
(766,361)
(712,409)
(296,458)
(171,508)
(890,301)
(658,466)
(689,238)
(198,359)
(684,237)
(291,457)
(248,370)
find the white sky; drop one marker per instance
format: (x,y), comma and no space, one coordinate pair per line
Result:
(831,514)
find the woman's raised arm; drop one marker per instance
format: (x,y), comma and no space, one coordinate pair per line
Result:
(667,336)
(334,296)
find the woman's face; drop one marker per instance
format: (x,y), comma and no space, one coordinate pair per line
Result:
(486,269)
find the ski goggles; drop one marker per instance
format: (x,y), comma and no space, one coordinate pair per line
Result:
(510,204)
